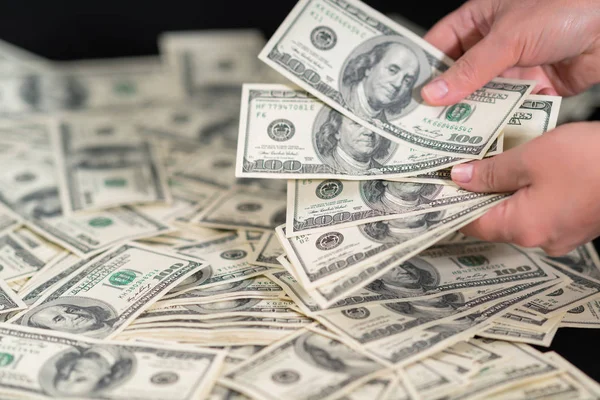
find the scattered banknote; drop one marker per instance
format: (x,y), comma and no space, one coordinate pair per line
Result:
(103,163)
(101,297)
(53,365)
(320,205)
(349,55)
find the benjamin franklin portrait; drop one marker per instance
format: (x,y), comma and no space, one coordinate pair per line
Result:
(223,306)
(400,230)
(392,197)
(78,372)
(53,92)
(347,146)
(332,355)
(193,281)
(414,277)
(379,77)
(429,309)
(78,315)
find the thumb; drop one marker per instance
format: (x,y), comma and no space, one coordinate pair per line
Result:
(487,59)
(505,172)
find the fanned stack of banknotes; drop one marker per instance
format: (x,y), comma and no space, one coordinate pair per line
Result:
(156,243)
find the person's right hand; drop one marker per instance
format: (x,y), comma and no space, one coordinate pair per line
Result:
(555,42)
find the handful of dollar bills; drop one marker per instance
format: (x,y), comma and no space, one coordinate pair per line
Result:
(205,225)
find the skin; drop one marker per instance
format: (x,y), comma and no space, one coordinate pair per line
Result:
(66,319)
(357,141)
(556,43)
(82,375)
(392,78)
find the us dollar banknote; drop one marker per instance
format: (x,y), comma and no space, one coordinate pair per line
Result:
(320,205)
(103,163)
(99,299)
(267,251)
(245,208)
(296,360)
(368,68)
(38,360)
(537,115)
(257,287)
(274,141)
(87,86)
(583,316)
(16,260)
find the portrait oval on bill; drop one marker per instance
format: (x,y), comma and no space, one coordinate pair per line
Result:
(220,289)
(332,355)
(402,229)
(381,78)
(414,277)
(390,197)
(79,372)
(347,146)
(223,306)
(73,314)
(194,280)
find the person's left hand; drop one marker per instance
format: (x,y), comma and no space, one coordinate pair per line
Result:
(557,181)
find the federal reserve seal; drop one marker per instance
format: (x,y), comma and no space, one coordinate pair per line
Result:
(356,313)
(285,376)
(323,38)
(164,378)
(234,254)
(329,189)
(281,130)
(329,241)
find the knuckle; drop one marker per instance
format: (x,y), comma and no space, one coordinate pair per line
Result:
(530,238)
(487,174)
(466,72)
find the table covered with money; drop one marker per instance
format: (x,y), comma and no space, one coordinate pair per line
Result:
(250,219)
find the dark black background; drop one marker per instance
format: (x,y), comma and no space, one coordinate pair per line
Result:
(67,30)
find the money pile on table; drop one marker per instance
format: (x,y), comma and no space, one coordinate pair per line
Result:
(156,243)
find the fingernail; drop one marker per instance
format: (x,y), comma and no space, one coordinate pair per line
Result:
(436,89)
(462,173)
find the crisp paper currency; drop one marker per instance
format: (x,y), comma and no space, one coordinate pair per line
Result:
(16,260)
(9,300)
(176,320)
(370,69)
(403,350)
(529,321)
(321,257)
(580,291)
(574,373)
(583,316)
(225,266)
(526,365)
(267,251)
(8,220)
(556,387)
(429,382)
(99,299)
(219,309)
(212,58)
(85,88)
(245,208)
(289,134)
(583,259)
(256,287)
(370,323)
(302,367)
(501,331)
(317,206)
(453,268)
(15,59)
(102,163)
(51,365)
(374,389)
(42,248)
(537,115)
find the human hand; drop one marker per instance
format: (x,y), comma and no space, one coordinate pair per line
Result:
(557,182)
(554,42)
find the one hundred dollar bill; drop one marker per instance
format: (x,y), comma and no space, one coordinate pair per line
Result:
(267,251)
(537,115)
(256,287)
(322,257)
(287,133)
(244,307)
(501,331)
(99,299)
(51,365)
(583,316)
(16,260)
(103,163)
(370,69)
(87,86)
(296,360)
(245,208)
(320,205)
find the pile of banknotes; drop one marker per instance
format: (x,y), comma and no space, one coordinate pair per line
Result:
(206,225)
